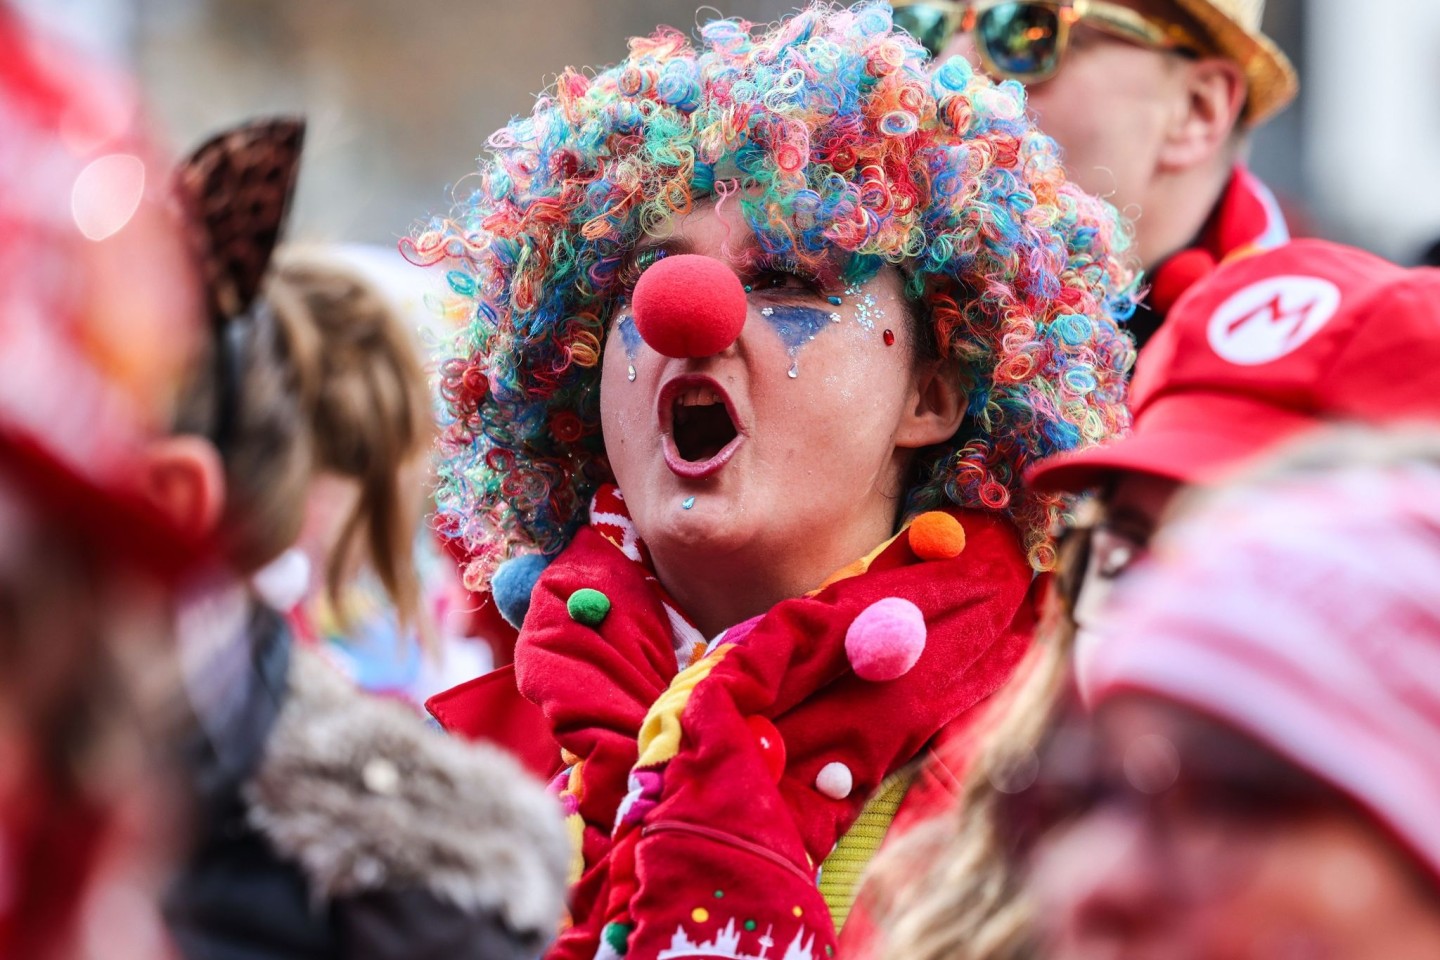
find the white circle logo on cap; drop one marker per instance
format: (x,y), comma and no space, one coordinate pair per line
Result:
(1267,320)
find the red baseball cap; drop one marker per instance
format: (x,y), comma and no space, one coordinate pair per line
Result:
(1264,349)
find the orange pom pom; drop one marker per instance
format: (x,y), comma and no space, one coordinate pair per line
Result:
(936,536)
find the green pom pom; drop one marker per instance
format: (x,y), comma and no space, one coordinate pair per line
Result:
(588,606)
(617,935)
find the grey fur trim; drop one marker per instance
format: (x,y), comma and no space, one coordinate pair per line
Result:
(364,795)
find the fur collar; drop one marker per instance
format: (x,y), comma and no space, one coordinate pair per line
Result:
(365,796)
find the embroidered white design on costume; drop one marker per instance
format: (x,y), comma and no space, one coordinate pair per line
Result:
(726,945)
(629,540)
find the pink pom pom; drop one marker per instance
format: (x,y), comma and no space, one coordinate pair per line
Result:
(886,639)
(687,305)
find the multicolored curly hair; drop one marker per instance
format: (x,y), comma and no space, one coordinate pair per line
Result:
(841,144)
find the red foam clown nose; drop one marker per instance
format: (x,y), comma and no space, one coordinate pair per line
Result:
(689,305)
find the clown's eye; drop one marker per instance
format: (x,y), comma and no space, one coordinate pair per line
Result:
(784,280)
(638,264)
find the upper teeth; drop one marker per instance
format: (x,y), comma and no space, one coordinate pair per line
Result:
(697,397)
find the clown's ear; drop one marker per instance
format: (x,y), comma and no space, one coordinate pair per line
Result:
(935,407)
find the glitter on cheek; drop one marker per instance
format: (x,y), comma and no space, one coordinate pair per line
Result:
(867,311)
(797,326)
(630,337)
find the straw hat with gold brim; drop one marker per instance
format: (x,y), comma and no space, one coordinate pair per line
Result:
(1234,27)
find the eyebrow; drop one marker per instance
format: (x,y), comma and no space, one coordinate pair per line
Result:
(752,258)
(1130,522)
(671,246)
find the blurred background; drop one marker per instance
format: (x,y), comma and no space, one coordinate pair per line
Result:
(402,94)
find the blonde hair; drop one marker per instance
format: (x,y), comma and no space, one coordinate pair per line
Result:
(967,902)
(368,408)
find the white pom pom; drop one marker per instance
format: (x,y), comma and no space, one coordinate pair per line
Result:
(835,780)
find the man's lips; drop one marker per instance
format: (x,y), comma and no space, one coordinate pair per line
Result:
(692,385)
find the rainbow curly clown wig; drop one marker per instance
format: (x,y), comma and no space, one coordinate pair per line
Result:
(840,143)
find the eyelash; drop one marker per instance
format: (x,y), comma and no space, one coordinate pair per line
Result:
(630,272)
(777,276)
(773,276)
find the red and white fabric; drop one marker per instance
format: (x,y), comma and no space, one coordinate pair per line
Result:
(1307,616)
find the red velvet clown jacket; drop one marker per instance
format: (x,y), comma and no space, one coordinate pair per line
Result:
(705,782)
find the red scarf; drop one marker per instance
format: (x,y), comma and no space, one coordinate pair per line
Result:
(705,796)
(1246,220)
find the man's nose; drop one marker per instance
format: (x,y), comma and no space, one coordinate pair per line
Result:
(1100,880)
(960,44)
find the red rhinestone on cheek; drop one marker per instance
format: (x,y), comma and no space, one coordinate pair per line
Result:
(889,338)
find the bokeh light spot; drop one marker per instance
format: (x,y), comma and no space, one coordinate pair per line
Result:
(106,195)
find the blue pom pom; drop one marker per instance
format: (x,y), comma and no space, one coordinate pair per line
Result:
(512,583)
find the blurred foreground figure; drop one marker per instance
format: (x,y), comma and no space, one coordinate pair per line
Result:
(99,317)
(1266,349)
(1253,773)
(331,824)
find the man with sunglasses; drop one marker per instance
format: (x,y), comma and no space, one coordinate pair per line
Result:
(1152,102)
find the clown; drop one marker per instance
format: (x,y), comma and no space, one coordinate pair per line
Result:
(756,341)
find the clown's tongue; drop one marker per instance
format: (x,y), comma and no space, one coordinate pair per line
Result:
(701,425)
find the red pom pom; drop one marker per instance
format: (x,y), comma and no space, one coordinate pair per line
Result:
(772,747)
(1178,274)
(688,305)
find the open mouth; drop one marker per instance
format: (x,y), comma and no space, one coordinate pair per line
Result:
(699,425)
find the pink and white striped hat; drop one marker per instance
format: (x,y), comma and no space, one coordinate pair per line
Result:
(1307,615)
